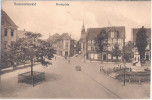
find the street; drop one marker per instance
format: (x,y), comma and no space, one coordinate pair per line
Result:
(63,81)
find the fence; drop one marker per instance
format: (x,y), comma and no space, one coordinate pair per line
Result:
(28,78)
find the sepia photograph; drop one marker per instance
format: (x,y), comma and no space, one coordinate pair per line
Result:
(75,49)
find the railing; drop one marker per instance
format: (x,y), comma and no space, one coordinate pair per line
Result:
(28,78)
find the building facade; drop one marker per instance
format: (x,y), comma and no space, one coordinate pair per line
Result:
(116,35)
(65,46)
(8,31)
(136,58)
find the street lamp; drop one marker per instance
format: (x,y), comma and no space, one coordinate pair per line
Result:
(124,60)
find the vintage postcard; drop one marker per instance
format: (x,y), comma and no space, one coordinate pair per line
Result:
(75,49)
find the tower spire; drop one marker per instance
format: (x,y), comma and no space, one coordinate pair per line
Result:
(83,27)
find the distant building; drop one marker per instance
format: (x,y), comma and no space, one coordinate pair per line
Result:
(115,35)
(82,40)
(148,48)
(8,31)
(53,40)
(20,33)
(65,46)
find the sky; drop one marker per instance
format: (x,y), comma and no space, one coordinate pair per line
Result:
(47,18)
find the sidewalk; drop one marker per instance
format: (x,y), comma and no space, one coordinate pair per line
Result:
(10,69)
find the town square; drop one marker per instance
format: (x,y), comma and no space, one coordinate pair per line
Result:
(73,52)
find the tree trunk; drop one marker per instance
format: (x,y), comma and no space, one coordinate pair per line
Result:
(24,63)
(116,58)
(32,66)
(32,71)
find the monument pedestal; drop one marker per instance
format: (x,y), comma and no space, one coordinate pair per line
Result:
(138,64)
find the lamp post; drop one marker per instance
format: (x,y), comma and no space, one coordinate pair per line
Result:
(124,60)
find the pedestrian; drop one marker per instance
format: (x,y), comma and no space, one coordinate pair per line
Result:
(69,61)
(55,58)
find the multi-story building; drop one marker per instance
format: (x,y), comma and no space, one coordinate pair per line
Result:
(148,48)
(8,31)
(65,46)
(115,35)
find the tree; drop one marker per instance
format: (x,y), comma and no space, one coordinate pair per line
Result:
(9,57)
(141,42)
(116,51)
(100,41)
(128,51)
(4,60)
(31,47)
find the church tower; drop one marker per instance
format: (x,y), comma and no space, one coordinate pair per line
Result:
(83,38)
(83,29)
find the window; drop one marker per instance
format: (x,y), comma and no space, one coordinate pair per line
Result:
(92,56)
(5,32)
(92,49)
(119,41)
(109,56)
(89,47)
(95,56)
(109,48)
(119,57)
(66,45)
(109,40)
(92,41)
(112,34)
(5,44)
(114,41)
(12,32)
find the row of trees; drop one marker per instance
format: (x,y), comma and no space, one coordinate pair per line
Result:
(28,48)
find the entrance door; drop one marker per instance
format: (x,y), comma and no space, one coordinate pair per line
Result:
(104,57)
(147,57)
(66,54)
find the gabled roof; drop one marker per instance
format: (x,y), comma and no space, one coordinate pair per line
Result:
(93,32)
(7,19)
(65,36)
(135,30)
(53,38)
